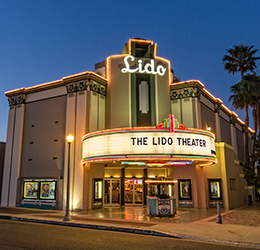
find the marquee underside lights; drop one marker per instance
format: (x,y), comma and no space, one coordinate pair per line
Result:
(133,163)
(161,181)
(144,146)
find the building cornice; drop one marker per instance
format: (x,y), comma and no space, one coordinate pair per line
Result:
(88,75)
(196,84)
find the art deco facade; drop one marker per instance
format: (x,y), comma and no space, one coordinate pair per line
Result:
(119,115)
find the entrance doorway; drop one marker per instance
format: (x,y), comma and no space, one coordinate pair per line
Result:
(112,192)
(133,191)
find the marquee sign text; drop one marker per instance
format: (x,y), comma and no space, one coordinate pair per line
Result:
(124,143)
(148,68)
(169,141)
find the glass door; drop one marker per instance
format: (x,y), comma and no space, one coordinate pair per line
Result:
(107,192)
(115,191)
(112,192)
(129,185)
(133,191)
(138,184)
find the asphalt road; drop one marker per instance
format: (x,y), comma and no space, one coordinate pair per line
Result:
(16,235)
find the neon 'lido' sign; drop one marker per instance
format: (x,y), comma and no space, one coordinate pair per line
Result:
(149,68)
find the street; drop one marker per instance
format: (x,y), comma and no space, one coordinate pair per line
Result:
(23,235)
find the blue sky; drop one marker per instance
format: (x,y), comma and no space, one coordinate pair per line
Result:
(42,41)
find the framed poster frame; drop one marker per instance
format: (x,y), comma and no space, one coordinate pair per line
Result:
(185,191)
(215,191)
(48,190)
(30,190)
(98,190)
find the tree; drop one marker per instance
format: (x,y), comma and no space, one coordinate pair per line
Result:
(252,178)
(254,81)
(241,98)
(241,59)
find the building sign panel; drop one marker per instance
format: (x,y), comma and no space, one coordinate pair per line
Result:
(143,68)
(182,143)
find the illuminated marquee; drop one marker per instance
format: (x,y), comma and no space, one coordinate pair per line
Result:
(136,143)
(148,68)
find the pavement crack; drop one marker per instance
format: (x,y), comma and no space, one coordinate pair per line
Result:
(232,232)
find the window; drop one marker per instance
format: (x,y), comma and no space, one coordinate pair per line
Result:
(143,97)
(233,184)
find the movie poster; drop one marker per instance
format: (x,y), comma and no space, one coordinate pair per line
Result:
(215,189)
(48,190)
(30,190)
(185,189)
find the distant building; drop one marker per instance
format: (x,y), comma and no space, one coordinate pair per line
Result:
(2,157)
(133,121)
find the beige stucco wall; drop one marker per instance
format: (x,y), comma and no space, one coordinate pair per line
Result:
(186,172)
(91,171)
(119,99)
(8,157)
(226,168)
(187,111)
(43,138)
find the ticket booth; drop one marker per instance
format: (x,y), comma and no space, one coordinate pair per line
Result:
(161,200)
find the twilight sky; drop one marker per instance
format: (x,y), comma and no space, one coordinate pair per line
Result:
(42,41)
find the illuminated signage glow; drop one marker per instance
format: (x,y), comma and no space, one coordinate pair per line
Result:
(144,144)
(148,68)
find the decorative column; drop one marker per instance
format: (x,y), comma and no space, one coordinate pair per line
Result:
(185,105)
(70,129)
(13,150)
(85,113)
(233,132)
(217,121)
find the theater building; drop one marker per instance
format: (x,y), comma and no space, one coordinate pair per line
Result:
(133,122)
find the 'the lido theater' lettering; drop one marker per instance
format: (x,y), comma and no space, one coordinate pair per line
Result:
(149,68)
(169,141)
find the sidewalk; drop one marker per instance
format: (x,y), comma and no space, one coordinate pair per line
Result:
(239,227)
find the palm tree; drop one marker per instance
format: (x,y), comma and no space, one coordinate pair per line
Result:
(240,59)
(254,82)
(241,98)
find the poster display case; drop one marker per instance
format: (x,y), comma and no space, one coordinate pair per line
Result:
(185,189)
(48,190)
(30,190)
(38,193)
(98,193)
(215,189)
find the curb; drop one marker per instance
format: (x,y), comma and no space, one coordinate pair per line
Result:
(5,217)
(129,230)
(90,226)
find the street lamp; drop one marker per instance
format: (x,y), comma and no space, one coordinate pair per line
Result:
(67,217)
